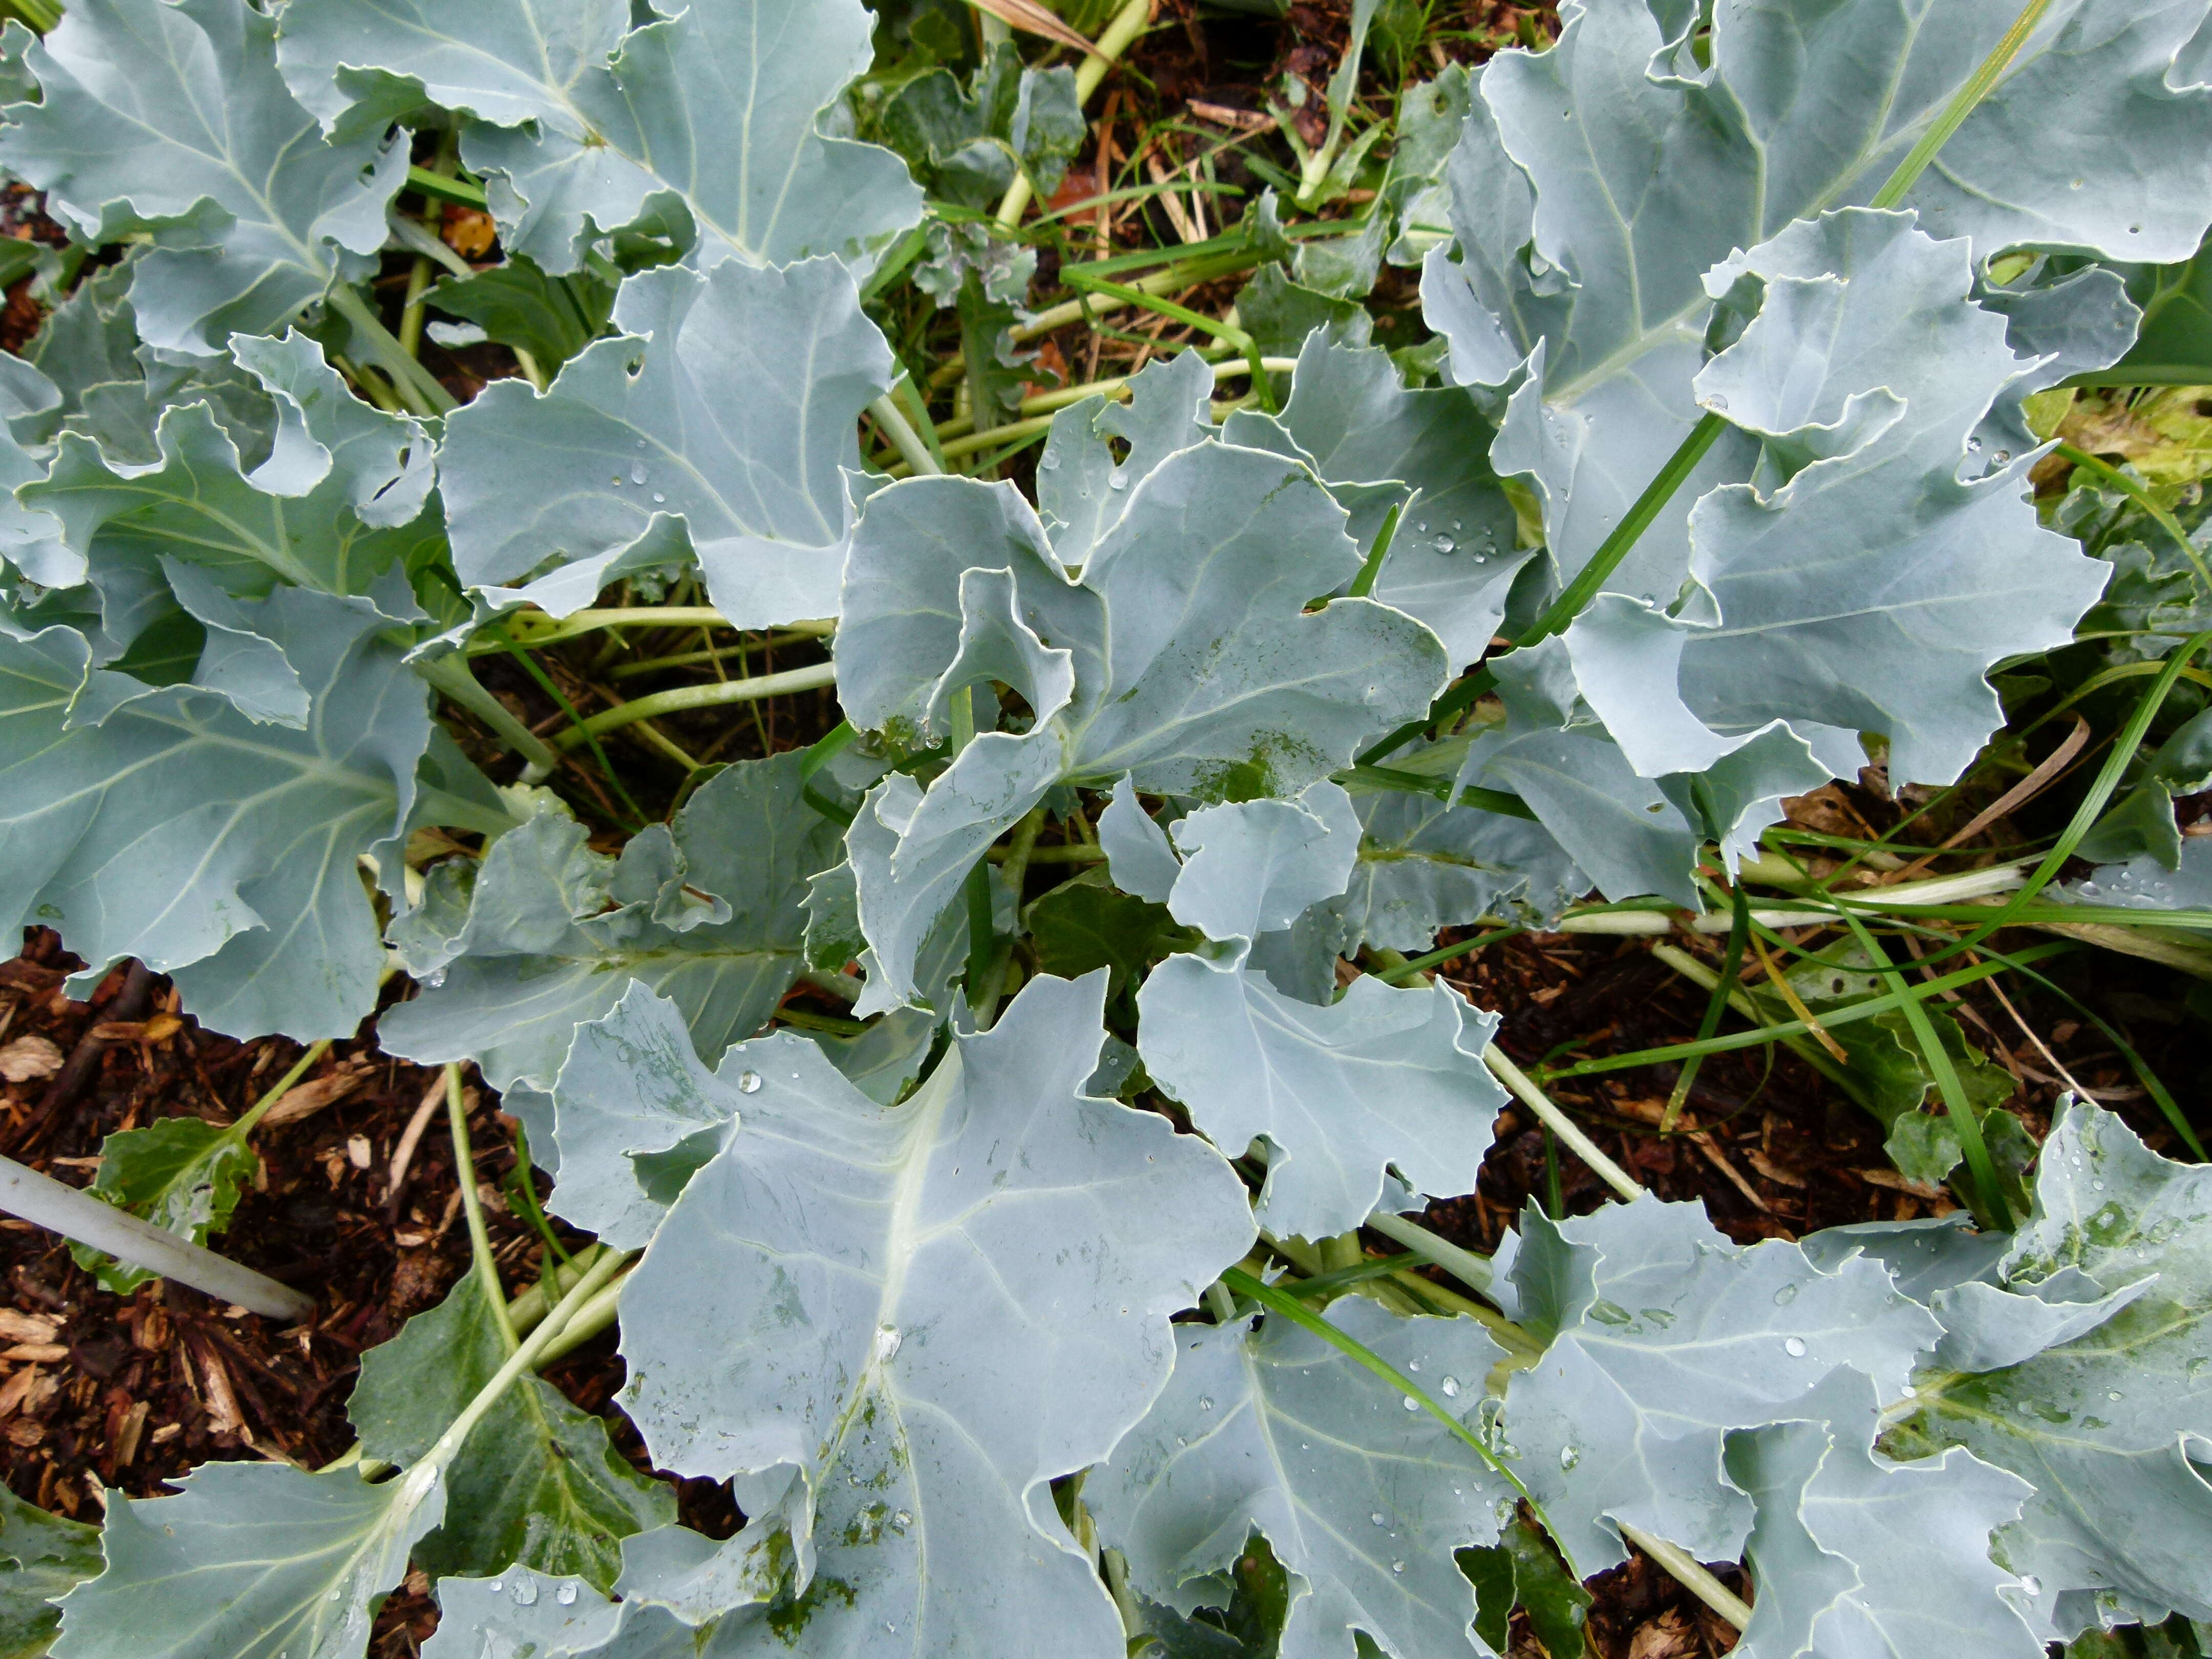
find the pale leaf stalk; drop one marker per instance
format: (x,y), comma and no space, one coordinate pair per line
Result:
(1687,1571)
(679,699)
(42,1200)
(464,1173)
(1470,1269)
(416,387)
(1559,1123)
(450,674)
(892,420)
(525,1358)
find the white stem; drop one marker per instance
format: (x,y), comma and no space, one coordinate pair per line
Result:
(904,439)
(1687,1571)
(77,1215)
(1559,1123)
(1465,1265)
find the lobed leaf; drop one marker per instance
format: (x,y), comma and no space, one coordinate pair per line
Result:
(1362,1498)
(169,117)
(921,1314)
(545,935)
(588,126)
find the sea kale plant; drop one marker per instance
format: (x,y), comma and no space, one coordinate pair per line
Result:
(1022,1304)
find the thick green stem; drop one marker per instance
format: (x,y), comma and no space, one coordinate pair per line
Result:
(450,674)
(1470,1269)
(904,439)
(464,1174)
(681,698)
(417,387)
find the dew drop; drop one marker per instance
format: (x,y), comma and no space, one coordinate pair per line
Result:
(2112,1393)
(902,1519)
(2076,184)
(2097,1186)
(2001,457)
(1182,1440)
(1444,544)
(1205,1404)
(888,1339)
(637,472)
(1376,1517)
(2031,1585)
(334,1596)
(1973,446)
(1717,404)
(1412,1365)
(1050,463)
(1569,1456)
(1397,1566)
(498,1586)
(1118,481)
(1451,1388)
(1411,1404)
(657,498)
(749,1082)
(615,478)
(1795,1347)
(1785,1296)
(525,1593)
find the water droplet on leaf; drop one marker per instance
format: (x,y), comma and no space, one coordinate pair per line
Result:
(1795,1347)
(749,1082)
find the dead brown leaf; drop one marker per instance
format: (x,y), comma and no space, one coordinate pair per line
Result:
(29,1058)
(1667,1636)
(311,1097)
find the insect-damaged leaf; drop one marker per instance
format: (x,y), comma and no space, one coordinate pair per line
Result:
(170,118)
(590,126)
(161,823)
(1183,658)
(639,452)
(545,933)
(926,1311)
(1361,1494)
(1662,1337)
(2104,1422)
